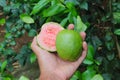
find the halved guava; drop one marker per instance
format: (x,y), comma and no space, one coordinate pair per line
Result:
(47,37)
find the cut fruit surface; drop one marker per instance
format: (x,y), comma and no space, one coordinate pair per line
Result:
(47,36)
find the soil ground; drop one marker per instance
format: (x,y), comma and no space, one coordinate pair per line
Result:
(29,70)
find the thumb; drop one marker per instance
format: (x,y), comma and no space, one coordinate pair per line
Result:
(71,26)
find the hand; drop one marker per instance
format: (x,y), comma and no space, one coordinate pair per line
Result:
(54,68)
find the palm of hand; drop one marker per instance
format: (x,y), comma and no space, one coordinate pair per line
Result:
(50,62)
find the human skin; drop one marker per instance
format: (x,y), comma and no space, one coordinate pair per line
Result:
(54,68)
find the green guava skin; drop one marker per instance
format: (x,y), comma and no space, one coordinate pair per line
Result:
(69,45)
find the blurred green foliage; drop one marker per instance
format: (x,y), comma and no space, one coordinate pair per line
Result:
(100,19)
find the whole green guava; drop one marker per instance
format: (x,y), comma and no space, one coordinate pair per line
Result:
(69,45)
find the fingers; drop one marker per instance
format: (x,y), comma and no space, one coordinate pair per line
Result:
(71,26)
(34,46)
(83,35)
(82,57)
(40,53)
(37,50)
(83,53)
(84,49)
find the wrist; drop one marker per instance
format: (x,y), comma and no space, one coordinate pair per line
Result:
(52,76)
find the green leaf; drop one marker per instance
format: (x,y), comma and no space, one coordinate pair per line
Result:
(108,37)
(2,45)
(74,77)
(88,61)
(90,55)
(71,7)
(6,9)
(23,55)
(97,77)
(110,56)
(7,78)
(63,22)
(96,42)
(91,52)
(27,26)
(80,26)
(32,58)
(18,34)
(39,6)
(2,3)
(84,5)
(75,2)
(12,43)
(23,78)
(97,62)
(62,1)
(3,66)
(117,32)
(26,18)
(107,76)
(70,18)
(116,16)
(89,73)
(9,51)
(54,2)
(109,45)
(32,33)
(8,35)
(2,21)
(77,76)
(23,32)
(53,10)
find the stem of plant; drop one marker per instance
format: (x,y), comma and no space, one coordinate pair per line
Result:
(118,46)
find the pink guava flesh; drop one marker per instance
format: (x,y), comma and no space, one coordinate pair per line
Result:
(47,37)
